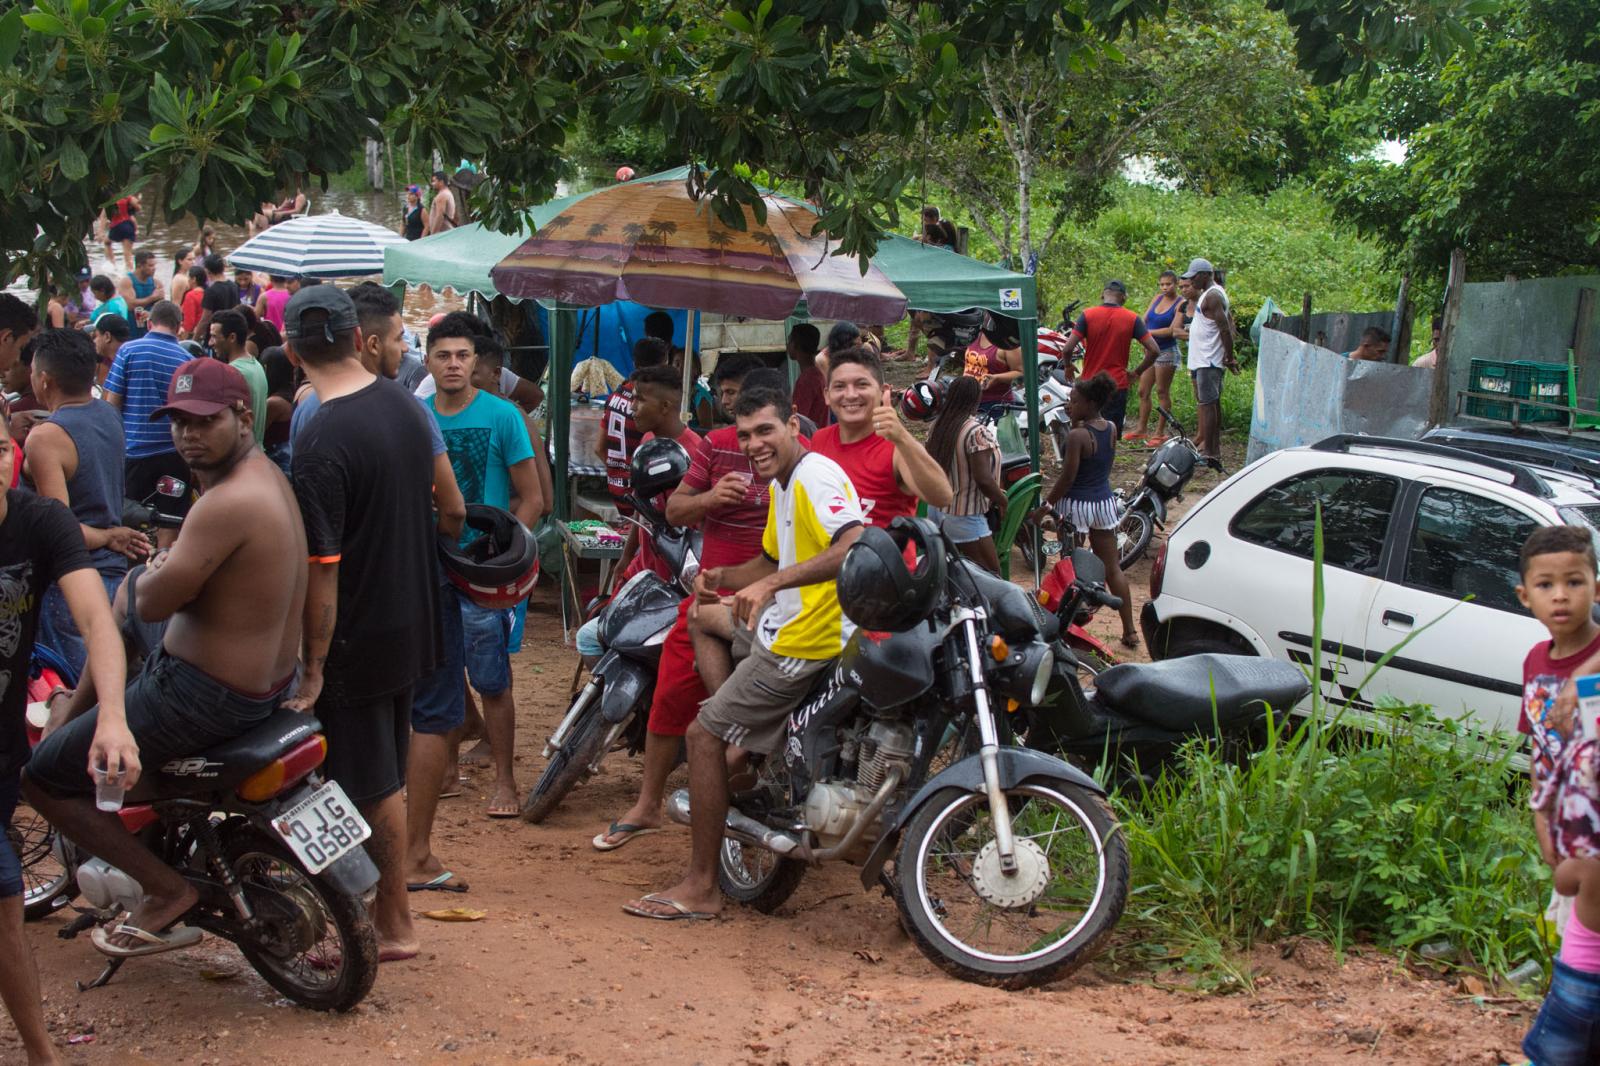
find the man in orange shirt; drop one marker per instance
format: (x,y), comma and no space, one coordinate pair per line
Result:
(1107,333)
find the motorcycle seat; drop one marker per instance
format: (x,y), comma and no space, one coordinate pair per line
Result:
(228,765)
(1176,694)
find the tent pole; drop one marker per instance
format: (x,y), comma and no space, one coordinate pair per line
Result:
(1029,328)
(689,337)
(560,401)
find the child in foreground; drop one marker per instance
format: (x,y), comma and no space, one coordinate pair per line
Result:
(1558,586)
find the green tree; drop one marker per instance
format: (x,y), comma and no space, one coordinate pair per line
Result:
(1502,150)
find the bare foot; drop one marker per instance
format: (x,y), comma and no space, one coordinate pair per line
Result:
(1130,640)
(398,950)
(479,757)
(154,914)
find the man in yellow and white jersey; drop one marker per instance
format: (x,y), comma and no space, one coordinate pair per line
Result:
(782,626)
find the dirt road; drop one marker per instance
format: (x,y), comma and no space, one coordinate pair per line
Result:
(556,973)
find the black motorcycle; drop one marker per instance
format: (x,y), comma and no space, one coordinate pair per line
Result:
(1168,470)
(612,709)
(1009,867)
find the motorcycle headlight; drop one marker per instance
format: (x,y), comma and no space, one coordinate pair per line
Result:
(1025,676)
(1166,477)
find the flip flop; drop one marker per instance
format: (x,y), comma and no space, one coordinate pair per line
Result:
(628,829)
(445,882)
(680,912)
(183,936)
(504,812)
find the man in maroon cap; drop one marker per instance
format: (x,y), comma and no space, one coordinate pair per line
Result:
(219,613)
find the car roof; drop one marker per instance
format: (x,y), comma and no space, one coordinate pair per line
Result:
(1543,483)
(1580,446)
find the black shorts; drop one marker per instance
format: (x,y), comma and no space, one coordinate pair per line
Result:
(122,231)
(141,476)
(367,744)
(1116,409)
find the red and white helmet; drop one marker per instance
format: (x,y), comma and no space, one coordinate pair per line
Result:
(498,570)
(624,173)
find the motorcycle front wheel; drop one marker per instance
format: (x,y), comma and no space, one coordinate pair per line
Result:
(1012,930)
(314,944)
(569,765)
(756,877)
(47,884)
(1133,536)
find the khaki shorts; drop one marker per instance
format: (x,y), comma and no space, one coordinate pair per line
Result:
(752,708)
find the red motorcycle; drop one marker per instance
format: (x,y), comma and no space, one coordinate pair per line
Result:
(275,853)
(1074,590)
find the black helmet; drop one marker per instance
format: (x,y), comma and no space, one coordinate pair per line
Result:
(658,465)
(497,570)
(877,590)
(921,400)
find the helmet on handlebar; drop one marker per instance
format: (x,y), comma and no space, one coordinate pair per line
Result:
(658,465)
(497,570)
(877,590)
(921,401)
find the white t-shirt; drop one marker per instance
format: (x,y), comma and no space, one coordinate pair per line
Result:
(1205,336)
(508,384)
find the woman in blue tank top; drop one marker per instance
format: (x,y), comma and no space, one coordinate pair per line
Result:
(1082,495)
(1158,318)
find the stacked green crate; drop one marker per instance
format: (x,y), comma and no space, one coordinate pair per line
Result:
(1545,382)
(1491,376)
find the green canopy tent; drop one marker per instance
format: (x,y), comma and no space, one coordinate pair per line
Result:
(933,279)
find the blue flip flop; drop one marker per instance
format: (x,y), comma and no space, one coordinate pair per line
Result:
(445,882)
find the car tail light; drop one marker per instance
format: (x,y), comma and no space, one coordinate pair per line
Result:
(1158,570)
(287,769)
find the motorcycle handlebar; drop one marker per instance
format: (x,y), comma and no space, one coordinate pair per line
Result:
(1105,599)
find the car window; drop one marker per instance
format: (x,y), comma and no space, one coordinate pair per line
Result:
(1355,517)
(1465,545)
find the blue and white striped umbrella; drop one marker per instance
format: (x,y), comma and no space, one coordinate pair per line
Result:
(317,246)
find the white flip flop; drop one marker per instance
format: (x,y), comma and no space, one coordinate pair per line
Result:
(183,936)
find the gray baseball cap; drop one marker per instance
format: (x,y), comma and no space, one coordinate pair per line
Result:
(1198,266)
(341,312)
(1115,286)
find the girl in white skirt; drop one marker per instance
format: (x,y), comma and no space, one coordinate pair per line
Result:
(1081,498)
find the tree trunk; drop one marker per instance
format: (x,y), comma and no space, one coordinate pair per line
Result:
(374,164)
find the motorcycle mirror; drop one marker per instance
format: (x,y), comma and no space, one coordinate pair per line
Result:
(168,485)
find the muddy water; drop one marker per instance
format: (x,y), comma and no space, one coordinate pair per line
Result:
(164,236)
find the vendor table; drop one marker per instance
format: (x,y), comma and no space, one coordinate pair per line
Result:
(575,546)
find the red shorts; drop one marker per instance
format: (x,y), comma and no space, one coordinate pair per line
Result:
(679,691)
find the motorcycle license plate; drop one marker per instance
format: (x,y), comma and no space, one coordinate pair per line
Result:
(322,828)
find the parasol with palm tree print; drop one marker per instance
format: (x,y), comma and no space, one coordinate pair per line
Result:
(650,242)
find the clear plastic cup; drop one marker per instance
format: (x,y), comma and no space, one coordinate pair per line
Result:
(107,795)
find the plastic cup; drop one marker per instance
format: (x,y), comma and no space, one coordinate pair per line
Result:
(107,795)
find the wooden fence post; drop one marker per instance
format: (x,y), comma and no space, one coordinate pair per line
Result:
(1439,402)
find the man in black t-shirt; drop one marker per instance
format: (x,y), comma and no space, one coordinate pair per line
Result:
(222,294)
(40,545)
(363,474)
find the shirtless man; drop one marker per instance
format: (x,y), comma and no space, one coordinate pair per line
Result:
(442,214)
(230,591)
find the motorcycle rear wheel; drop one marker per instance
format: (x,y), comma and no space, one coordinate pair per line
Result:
(47,885)
(755,877)
(569,765)
(1133,537)
(947,852)
(323,951)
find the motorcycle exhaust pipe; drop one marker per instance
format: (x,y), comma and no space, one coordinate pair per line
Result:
(741,827)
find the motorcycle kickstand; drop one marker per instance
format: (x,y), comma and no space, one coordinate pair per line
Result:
(112,966)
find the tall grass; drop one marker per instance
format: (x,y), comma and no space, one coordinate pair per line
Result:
(1411,831)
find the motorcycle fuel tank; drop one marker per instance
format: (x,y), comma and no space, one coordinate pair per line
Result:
(889,669)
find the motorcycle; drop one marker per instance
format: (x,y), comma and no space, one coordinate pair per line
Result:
(613,707)
(1169,468)
(47,884)
(1010,869)
(1073,591)
(275,853)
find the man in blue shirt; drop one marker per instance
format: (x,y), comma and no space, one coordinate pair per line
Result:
(492,456)
(137,385)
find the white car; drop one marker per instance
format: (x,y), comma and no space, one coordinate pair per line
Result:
(1419,540)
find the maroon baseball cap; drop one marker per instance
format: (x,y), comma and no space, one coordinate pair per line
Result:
(203,387)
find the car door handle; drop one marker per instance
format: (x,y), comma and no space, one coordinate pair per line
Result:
(1395,618)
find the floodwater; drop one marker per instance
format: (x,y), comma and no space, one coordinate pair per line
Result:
(163,236)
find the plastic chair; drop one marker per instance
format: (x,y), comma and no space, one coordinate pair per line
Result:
(1021,498)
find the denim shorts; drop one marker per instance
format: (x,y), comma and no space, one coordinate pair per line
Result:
(1168,356)
(173,710)
(10,861)
(1567,1030)
(59,632)
(488,643)
(961,528)
(439,701)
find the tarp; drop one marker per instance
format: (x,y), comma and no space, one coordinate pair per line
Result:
(1305,393)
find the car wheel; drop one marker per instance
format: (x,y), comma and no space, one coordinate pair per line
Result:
(1206,645)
